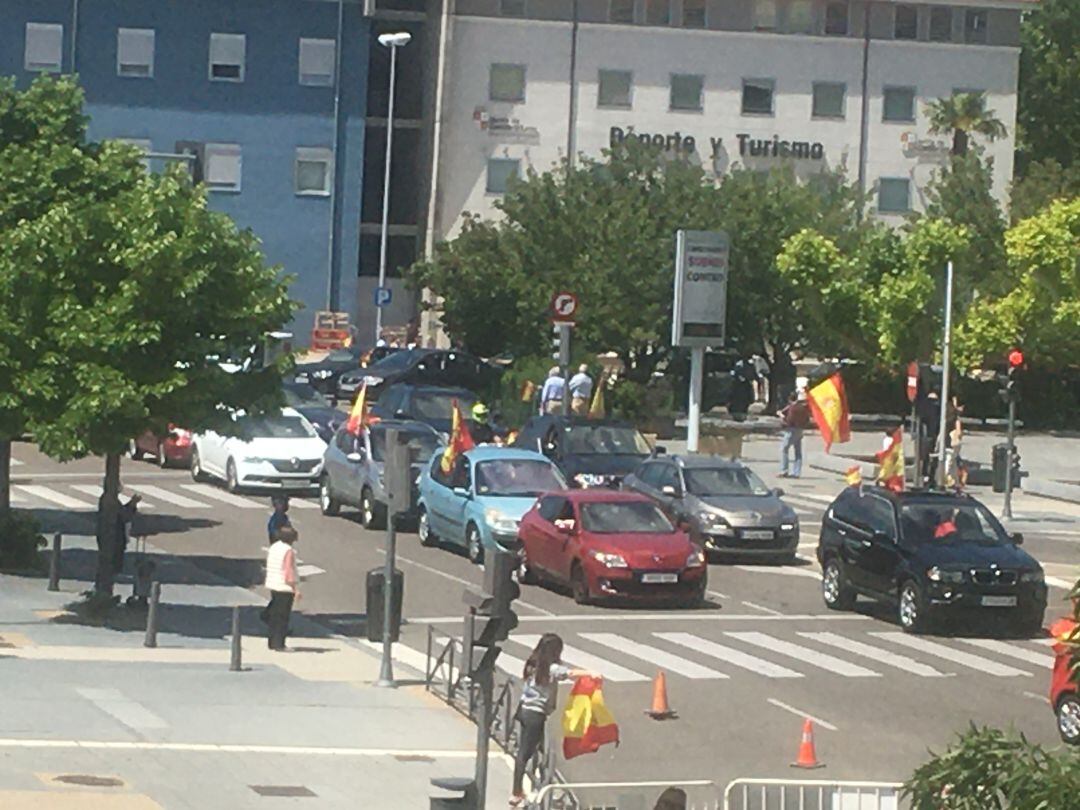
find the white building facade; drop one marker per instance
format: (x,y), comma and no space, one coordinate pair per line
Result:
(731,83)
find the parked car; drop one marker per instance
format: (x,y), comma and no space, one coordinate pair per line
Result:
(438,367)
(323,375)
(929,555)
(169,449)
(605,544)
(725,506)
(590,452)
(1064,690)
(429,404)
(279,451)
(314,407)
(353,469)
(479,503)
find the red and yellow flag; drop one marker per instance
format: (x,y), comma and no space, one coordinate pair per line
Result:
(460,438)
(356,415)
(853,476)
(598,408)
(587,723)
(891,462)
(828,404)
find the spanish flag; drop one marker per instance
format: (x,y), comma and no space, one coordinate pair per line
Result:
(853,476)
(587,723)
(828,404)
(891,462)
(1065,631)
(356,415)
(598,408)
(460,438)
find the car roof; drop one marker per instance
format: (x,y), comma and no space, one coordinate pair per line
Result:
(574,421)
(489,452)
(409,425)
(926,496)
(601,495)
(699,462)
(427,388)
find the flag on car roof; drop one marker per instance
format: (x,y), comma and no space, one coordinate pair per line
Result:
(828,404)
(853,476)
(357,415)
(598,408)
(891,462)
(587,722)
(460,438)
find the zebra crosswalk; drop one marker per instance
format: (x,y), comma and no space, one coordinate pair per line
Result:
(176,497)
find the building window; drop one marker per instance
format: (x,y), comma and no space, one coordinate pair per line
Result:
(941,24)
(836,19)
(975,26)
(757,96)
(686,91)
(317,62)
(829,99)
(899,104)
(614,88)
(135,52)
(500,171)
(906,22)
(227,57)
(512,8)
(764,15)
(800,17)
(658,12)
(314,171)
(621,11)
(894,195)
(222,163)
(693,14)
(507,83)
(44,47)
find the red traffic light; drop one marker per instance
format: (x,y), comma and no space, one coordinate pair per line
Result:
(1016,358)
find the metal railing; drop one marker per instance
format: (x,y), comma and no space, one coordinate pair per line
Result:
(700,794)
(794,794)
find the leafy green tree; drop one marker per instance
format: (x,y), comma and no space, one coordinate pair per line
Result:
(1049,88)
(963,115)
(1041,184)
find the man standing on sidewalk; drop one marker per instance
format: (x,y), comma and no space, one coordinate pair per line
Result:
(284,585)
(581,386)
(794,419)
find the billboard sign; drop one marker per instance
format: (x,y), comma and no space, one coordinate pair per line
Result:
(701,279)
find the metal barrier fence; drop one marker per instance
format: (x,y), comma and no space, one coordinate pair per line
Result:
(700,794)
(792,794)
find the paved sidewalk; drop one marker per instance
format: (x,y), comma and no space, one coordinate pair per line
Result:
(93,719)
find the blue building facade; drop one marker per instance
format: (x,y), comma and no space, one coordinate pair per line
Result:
(270,94)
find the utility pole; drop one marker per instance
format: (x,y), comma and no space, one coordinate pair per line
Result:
(946,359)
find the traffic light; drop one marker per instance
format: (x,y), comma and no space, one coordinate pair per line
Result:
(1011,392)
(490,616)
(560,344)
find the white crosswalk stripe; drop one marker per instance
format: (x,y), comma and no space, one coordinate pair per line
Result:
(804,654)
(976,662)
(1012,651)
(730,655)
(52,496)
(16,463)
(300,503)
(95,490)
(16,497)
(169,497)
(579,658)
(876,654)
(654,655)
(220,495)
(783,570)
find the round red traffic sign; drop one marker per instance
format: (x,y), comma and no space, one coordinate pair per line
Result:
(564,306)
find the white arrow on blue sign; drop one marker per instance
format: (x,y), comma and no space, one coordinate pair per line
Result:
(383,295)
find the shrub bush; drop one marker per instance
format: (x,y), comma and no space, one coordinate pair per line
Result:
(20,542)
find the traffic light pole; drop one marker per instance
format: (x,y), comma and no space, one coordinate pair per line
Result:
(946,361)
(1011,441)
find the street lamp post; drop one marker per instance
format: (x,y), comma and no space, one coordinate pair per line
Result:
(393,42)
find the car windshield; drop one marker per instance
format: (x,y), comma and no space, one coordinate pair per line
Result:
(275,427)
(299,396)
(724,481)
(421,445)
(949,523)
(624,517)
(434,405)
(605,440)
(393,362)
(517,477)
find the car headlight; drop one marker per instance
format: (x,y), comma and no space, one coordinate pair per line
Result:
(712,523)
(609,560)
(322,374)
(696,559)
(503,524)
(936,574)
(586,480)
(1033,576)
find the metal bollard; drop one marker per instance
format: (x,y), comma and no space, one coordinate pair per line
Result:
(235,664)
(151,616)
(54,564)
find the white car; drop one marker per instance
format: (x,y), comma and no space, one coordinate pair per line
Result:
(275,452)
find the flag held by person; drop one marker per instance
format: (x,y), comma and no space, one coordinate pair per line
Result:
(357,416)
(587,722)
(891,462)
(460,438)
(853,476)
(829,406)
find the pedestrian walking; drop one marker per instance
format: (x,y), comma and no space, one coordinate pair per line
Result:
(794,419)
(279,517)
(581,386)
(551,395)
(284,585)
(539,695)
(672,798)
(955,473)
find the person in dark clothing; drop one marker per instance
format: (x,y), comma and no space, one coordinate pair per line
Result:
(794,419)
(279,517)
(744,375)
(672,798)
(929,411)
(125,515)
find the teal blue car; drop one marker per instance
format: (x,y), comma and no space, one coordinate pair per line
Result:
(479,503)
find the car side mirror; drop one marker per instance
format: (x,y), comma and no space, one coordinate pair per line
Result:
(1017,538)
(400,414)
(881,538)
(670,491)
(564,528)
(355,457)
(659,450)
(778,492)
(461,492)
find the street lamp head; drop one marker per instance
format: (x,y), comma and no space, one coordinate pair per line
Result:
(395,40)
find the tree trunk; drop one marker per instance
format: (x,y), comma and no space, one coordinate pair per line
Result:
(5,476)
(781,378)
(959,143)
(108,513)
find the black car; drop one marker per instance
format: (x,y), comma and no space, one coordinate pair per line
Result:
(931,555)
(449,368)
(430,404)
(590,452)
(323,375)
(315,407)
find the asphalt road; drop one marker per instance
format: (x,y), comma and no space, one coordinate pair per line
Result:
(741,673)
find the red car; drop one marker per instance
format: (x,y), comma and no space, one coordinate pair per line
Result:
(610,545)
(1064,696)
(171,450)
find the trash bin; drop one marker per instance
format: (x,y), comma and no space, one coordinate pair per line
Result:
(376,577)
(465,787)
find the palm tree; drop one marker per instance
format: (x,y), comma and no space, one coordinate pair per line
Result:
(964,114)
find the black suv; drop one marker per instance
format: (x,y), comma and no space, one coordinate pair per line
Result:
(929,553)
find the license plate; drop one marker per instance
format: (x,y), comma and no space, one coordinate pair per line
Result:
(999,601)
(757,534)
(657,579)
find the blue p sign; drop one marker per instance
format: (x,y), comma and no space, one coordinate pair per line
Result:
(383,296)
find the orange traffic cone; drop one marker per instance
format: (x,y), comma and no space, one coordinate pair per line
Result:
(807,756)
(660,709)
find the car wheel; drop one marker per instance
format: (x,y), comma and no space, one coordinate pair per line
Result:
(579,585)
(1068,719)
(835,590)
(327,504)
(526,573)
(372,515)
(162,459)
(197,473)
(911,609)
(697,598)
(474,544)
(232,483)
(423,528)
(134,453)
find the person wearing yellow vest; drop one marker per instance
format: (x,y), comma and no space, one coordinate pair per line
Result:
(284,585)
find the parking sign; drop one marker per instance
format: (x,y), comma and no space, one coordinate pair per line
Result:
(383,296)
